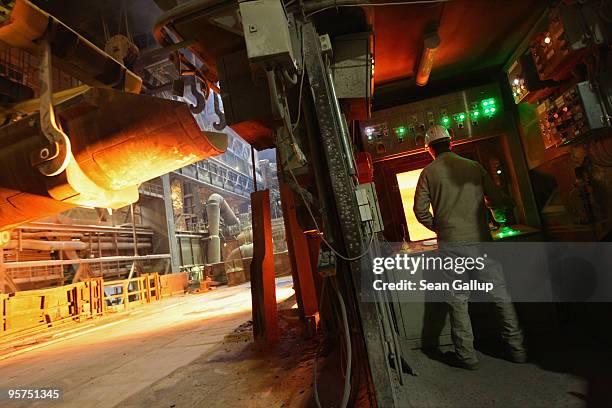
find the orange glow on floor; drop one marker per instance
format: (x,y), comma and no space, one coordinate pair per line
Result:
(224,306)
(407,184)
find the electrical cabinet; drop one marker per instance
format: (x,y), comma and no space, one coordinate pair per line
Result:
(569,114)
(525,82)
(571,32)
(266,33)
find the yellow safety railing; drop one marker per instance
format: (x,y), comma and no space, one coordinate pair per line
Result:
(33,311)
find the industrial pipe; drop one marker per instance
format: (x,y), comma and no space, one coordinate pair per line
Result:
(107,246)
(217,207)
(42,245)
(245,237)
(243,251)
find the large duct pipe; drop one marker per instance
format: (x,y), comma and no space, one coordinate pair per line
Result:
(119,140)
(217,207)
(243,251)
(41,245)
(44,245)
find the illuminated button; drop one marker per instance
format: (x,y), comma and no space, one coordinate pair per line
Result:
(487,103)
(400,131)
(445,121)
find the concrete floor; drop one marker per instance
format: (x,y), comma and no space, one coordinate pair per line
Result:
(102,364)
(561,373)
(185,352)
(240,373)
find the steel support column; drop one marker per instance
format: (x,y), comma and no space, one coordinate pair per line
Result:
(350,238)
(263,284)
(301,268)
(173,245)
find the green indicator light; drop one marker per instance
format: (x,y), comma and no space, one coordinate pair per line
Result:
(400,131)
(459,117)
(488,103)
(487,110)
(493,109)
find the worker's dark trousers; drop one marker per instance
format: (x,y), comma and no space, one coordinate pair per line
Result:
(461,327)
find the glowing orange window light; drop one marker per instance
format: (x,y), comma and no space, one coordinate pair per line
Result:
(407,185)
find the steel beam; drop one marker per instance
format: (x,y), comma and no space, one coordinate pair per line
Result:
(173,243)
(350,238)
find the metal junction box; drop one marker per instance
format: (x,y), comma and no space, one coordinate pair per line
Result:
(352,66)
(266,32)
(369,210)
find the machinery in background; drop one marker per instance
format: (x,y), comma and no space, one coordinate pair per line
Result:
(85,146)
(217,208)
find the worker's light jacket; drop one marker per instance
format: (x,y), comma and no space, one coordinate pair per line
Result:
(456,188)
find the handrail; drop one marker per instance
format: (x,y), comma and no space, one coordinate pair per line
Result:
(30,312)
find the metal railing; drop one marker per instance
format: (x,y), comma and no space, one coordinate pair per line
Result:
(139,290)
(30,312)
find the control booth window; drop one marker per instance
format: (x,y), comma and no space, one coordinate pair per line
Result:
(407,185)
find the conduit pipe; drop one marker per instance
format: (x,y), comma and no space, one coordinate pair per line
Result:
(243,251)
(41,245)
(217,208)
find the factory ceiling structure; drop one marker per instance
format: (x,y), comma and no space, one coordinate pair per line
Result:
(306,203)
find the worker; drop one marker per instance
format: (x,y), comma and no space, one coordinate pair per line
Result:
(456,189)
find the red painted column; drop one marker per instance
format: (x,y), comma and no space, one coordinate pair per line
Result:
(263,285)
(301,267)
(313,240)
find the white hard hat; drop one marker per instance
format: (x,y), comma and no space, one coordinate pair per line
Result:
(436,133)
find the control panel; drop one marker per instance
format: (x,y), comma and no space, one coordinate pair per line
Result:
(570,33)
(563,38)
(470,114)
(569,114)
(525,82)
